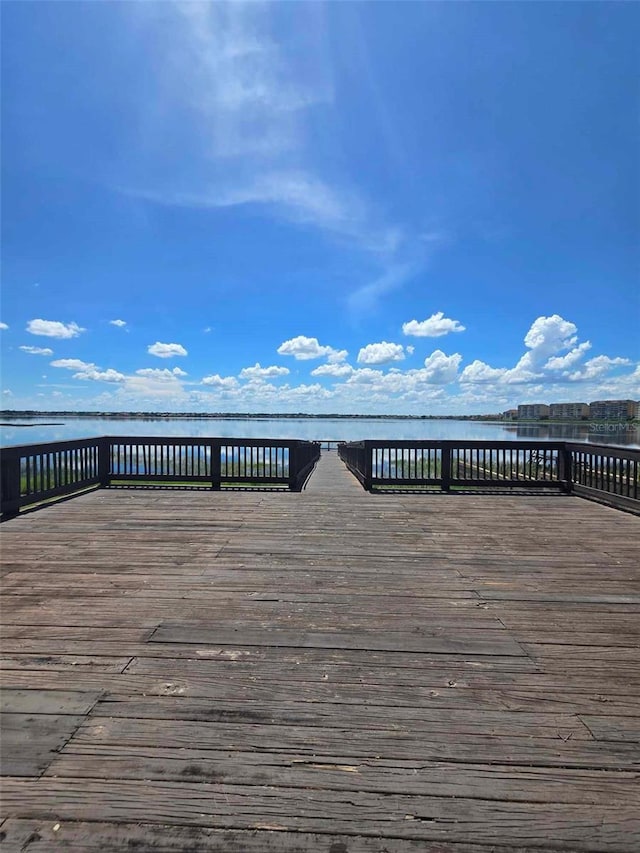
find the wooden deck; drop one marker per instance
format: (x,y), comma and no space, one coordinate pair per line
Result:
(328,671)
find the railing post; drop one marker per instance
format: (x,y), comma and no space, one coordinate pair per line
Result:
(9,484)
(367,472)
(216,466)
(104,460)
(293,466)
(445,466)
(565,468)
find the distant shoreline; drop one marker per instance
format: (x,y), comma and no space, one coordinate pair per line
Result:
(166,416)
(10,418)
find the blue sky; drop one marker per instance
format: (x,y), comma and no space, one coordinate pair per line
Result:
(351,207)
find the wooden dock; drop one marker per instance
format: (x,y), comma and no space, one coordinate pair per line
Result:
(334,671)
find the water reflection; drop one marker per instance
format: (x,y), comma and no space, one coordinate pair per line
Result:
(315,429)
(627,435)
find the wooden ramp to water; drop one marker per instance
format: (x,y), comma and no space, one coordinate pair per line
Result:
(328,671)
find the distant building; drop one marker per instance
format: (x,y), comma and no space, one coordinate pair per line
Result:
(510,414)
(533,411)
(612,410)
(569,411)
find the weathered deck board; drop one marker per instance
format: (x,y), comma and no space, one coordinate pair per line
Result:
(341,773)
(37,836)
(609,827)
(31,741)
(329,671)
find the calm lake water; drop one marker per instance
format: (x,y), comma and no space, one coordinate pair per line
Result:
(315,429)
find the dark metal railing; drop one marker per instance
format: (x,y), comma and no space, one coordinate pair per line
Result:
(597,470)
(586,469)
(31,474)
(38,472)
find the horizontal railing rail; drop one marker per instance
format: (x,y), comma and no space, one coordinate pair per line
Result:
(611,474)
(30,474)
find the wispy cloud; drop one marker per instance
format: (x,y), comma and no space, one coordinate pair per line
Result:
(365,298)
(37,350)
(245,101)
(249,93)
(245,96)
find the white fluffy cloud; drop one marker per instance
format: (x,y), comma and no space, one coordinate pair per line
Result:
(596,367)
(564,362)
(54,329)
(478,371)
(217,381)
(160,372)
(440,369)
(72,364)
(381,353)
(332,370)
(547,337)
(119,323)
(166,388)
(88,370)
(37,350)
(166,350)
(258,372)
(365,376)
(337,356)
(433,327)
(304,349)
(553,355)
(97,375)
(3,326)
